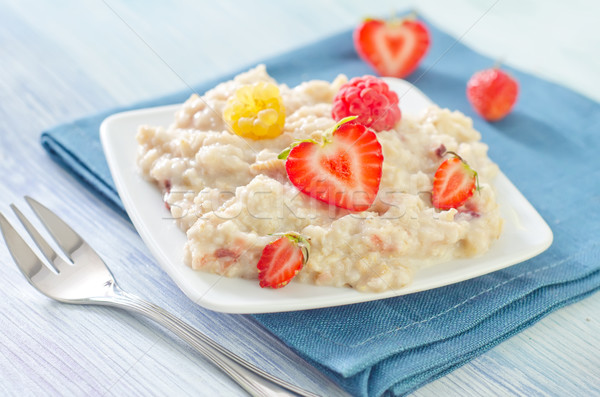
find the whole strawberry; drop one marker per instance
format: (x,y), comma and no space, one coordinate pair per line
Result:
(371,100)
(393,48)
(282,259)
(492,93)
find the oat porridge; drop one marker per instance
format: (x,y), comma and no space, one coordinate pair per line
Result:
(231,193)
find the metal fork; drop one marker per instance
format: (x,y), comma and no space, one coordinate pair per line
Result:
(87,280)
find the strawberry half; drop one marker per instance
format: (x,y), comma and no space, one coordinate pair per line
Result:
(282,259)
(454,183)
(392,48)
(344,170)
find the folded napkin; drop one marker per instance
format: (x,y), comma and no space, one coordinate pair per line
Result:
(548,146)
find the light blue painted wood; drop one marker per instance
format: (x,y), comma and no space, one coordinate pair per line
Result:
(65,59)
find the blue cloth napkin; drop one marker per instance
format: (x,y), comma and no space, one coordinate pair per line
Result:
(548,146)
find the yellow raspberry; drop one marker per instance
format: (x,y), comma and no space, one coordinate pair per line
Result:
(256,111)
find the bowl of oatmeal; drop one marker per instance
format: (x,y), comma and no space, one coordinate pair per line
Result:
(207,201)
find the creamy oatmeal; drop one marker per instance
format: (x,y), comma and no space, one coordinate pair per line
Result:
(229,194)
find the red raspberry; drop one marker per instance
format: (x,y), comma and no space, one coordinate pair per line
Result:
(371,100)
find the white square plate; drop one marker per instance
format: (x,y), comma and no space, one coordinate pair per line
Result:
(525,233)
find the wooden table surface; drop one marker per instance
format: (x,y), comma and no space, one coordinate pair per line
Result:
(63,60)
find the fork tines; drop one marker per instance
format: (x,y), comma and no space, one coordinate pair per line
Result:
(26,259)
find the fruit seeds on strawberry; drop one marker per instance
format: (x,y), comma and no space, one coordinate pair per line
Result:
(454,183)
(393,48)
(282,259)
(344,170)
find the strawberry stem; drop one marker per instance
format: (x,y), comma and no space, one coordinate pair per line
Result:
(344,121)
(395,20)
(286,152)
(301,241)
(329,133)
(454,154)
(498,63)
(477,187)
(326,137)
(411,16)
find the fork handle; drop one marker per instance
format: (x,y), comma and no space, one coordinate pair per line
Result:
(253,379)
